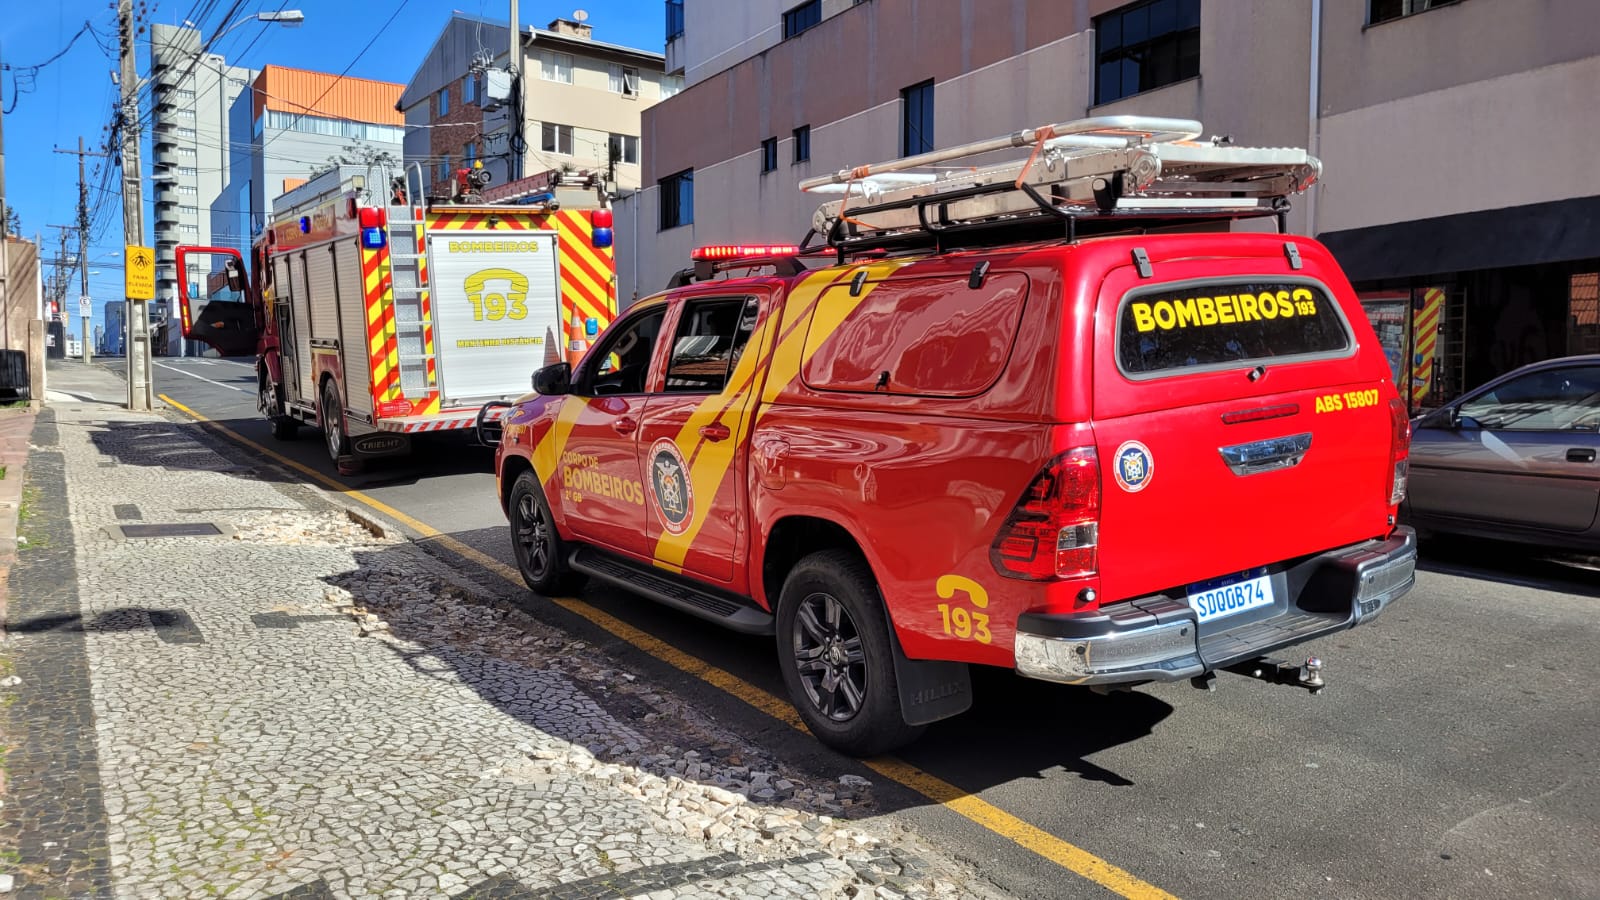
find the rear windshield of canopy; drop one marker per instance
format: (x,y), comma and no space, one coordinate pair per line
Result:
(1224,325)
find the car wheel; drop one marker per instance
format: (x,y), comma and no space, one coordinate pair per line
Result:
(284,427)
(541,554)
(833,648)
(333,422)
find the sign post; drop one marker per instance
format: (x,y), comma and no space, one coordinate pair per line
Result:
(84,315)
(139,284)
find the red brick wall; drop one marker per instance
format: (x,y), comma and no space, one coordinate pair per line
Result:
(452,132)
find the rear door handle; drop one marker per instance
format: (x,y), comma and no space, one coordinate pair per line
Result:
(1580,454)
(625,425)
(716,431)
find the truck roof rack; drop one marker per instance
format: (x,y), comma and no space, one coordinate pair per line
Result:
(1103,173)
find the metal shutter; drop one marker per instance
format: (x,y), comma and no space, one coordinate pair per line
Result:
(353,327)
(302,327)
(324,296)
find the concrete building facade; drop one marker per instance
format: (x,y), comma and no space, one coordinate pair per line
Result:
(294,123)
(1452,132)
(191,141)
(581,105)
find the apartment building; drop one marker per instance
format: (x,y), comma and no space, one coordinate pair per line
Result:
(582,99)
(293,123)
(1452,134)
(189,152)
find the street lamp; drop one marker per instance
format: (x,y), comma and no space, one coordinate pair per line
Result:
(291,18)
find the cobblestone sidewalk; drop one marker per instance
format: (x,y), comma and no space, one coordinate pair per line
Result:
(276,702)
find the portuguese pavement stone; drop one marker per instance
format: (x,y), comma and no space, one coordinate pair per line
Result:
(296,708)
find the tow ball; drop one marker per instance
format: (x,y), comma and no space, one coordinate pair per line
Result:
(1272,671)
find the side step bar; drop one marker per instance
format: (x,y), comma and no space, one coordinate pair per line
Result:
(726,609)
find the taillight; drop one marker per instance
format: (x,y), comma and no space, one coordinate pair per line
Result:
(1399,450)
(1055,528)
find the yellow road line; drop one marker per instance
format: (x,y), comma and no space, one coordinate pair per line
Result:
(955,799)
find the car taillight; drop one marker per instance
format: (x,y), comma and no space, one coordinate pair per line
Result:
(1055,528)
(1399,450)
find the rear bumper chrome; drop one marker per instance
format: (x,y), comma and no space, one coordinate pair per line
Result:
(1159,638)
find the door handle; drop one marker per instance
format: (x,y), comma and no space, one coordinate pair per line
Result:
(1580,454)
(716,431)
(625,425)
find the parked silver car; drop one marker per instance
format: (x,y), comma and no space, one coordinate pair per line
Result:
(1515,459)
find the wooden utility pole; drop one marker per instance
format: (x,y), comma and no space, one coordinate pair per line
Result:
(140,388)
(85,308)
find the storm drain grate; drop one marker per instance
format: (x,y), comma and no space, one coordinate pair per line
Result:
(175,529)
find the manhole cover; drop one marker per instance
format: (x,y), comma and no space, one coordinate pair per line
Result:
(178,529)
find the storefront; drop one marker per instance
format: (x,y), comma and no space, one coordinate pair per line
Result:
(1459,300)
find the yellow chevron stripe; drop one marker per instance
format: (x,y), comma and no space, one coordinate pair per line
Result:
(547,453)
(580,280)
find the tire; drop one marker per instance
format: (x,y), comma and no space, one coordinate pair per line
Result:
(284,427)
(541,554)
(836,657)
(332,415)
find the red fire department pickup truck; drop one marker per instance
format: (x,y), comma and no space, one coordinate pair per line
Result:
(1031,416)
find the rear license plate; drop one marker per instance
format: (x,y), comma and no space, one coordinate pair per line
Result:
(1213,600)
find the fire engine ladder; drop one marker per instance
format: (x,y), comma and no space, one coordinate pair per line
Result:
(1104,169)
(409,280)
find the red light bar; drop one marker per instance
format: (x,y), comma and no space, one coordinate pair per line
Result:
(723,252)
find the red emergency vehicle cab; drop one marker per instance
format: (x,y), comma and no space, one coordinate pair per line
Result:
(1048,415)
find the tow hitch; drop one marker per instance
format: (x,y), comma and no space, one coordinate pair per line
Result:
(1272,671)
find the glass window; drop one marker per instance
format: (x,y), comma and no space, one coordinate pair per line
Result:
(186,152)
(1145,46)
(1385,10)
(916,119)
(183,132)
(677,199)
(444,101)
(671,85)
(189,230)
(555,66)
(1226,325)
(189,210)
(187,189)
(624,149)
(468,154)
(674,19)
(769,155)
(802,143)
(1549,400)
(185,113)
(623,356)
(469,89)
(802,17)
(624,80)
(186,172)
(555,138)
(711,338)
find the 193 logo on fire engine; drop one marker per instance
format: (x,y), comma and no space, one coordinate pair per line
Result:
(1132,466)
(669,484)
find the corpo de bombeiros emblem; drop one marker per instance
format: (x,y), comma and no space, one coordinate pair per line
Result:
(669,485)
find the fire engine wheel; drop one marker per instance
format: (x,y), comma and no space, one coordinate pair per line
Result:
(333,421)
(541,554)
(283,427)
(834,650)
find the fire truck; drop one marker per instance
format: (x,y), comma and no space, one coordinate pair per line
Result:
(376,314)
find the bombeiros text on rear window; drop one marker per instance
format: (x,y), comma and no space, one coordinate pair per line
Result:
(1226,324)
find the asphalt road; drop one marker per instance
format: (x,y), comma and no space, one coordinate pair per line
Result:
(1455,753)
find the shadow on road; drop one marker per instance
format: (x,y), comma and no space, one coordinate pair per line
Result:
(1514,564)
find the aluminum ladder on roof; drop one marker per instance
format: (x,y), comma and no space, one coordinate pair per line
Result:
(408,278)
(1105,167)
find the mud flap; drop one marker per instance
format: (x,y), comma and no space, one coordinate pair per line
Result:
(930,689)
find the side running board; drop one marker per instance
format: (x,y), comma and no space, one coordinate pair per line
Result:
(726,609)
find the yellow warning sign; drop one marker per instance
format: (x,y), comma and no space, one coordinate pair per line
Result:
(140,273)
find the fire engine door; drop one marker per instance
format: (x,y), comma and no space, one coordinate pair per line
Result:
(216,307)
(691,445)
(602,494)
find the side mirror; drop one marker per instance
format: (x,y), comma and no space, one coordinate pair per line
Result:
(235,275)
(553,380)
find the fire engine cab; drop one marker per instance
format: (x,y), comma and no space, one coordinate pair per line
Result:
(376,314)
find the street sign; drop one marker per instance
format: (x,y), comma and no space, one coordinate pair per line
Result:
(140,273)
(84,310)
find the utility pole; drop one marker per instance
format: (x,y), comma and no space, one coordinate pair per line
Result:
(85,312)
(513,155)
(5,210)
(140,389)
(60,275)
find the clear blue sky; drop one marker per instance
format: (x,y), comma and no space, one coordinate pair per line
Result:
(74,95)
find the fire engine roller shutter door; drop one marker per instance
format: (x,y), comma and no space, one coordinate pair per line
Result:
(496,299)
(324,300)
(353,328)
(302,327)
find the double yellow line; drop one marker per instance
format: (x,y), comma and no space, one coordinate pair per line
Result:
(961,802)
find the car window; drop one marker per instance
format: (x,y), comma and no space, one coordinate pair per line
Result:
(623,356)
(1549,400)
(1166,330)
(711,337)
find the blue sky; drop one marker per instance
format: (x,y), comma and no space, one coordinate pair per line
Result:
(73,95)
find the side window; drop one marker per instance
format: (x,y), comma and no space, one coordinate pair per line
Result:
(1551,400)
(711,337)
(621,361)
